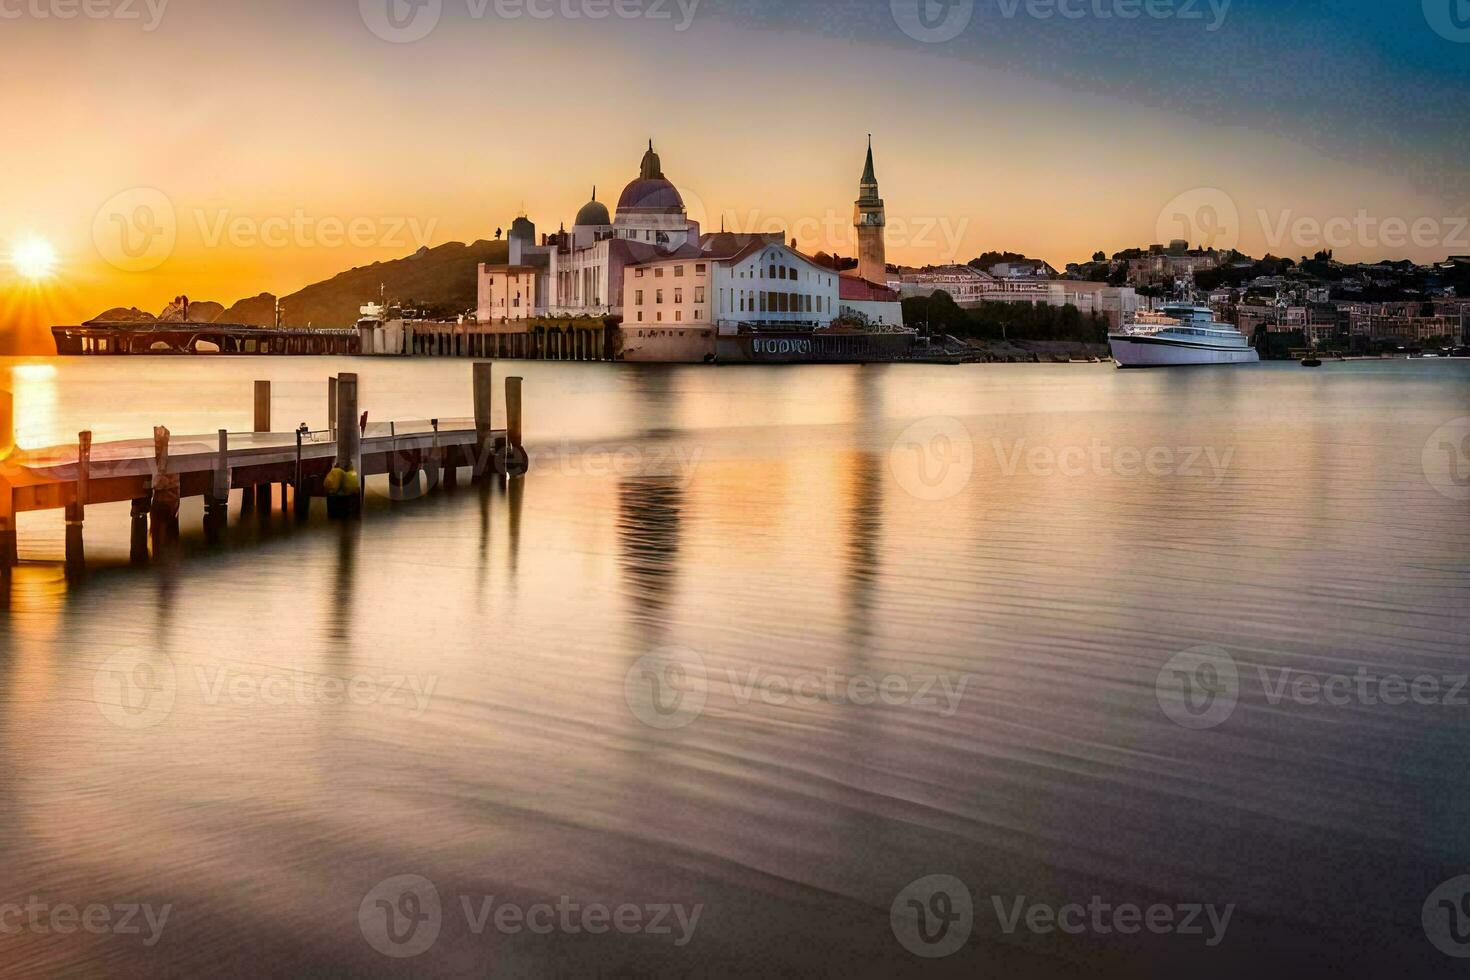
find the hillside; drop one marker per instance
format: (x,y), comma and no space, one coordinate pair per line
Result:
(442,280)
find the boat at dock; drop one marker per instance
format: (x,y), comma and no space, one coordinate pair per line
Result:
(1178,335)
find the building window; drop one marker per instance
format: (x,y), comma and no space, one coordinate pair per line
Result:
(679,316)
(678,272)
(773,272)
(658,297)
(660,316)
(700,269)
(679,295)
(640,297)
(699,294)
(638,273)
(698,315)
(640,320)
(658,273)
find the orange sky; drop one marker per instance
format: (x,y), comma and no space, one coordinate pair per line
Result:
(272,158)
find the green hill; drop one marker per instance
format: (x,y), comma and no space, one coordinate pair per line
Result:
(440,281)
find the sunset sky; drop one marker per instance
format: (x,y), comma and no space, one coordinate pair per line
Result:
(267,145)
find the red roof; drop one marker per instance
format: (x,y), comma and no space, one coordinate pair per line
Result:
(862,291)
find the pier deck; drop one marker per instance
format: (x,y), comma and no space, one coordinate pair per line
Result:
(154,474)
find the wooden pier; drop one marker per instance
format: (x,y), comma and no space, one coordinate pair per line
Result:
(155,474)
(169,337)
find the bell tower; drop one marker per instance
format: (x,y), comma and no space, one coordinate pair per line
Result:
(870,220)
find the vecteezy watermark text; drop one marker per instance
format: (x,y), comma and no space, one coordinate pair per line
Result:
(1101,918)
(670,688)
(148,12)
(1200,688)
(938,21)
(1100,459)
(403,917)
(934,916)
(63,919)
(407,21)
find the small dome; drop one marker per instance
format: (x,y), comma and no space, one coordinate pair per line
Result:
(593,213)
(522,228)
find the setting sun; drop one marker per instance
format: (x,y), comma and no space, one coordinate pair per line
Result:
(34,258)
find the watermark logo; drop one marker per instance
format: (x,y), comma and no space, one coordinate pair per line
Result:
(136,689)
(136,230)
(1199,688)
(1449,18)
(1446,917)
(933,21)
(667,688)
(1205,215)
(932,917)
(401,21)
(933,459)
(401,917)
(1446,459)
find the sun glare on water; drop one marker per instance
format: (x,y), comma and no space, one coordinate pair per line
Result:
(33,259)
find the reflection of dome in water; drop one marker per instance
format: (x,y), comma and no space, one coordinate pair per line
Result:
(593,213)
(651,193)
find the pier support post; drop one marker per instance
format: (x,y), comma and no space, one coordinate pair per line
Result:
(8,549)
(332,394)
(261,495)
(138,531)
(76,510)
(262,406)
(165,504)
(345,497)
(216,504)
(516,460)
(484,431)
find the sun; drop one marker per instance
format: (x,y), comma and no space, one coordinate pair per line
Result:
(33,258)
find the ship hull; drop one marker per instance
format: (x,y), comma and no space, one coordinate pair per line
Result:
(1148,352)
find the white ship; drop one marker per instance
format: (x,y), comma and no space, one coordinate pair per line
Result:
(1180,334)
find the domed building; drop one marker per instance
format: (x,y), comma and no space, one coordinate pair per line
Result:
(651,209)
(593,223)
(643,284)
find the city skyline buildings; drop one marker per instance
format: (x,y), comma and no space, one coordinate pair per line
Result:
(1055,137)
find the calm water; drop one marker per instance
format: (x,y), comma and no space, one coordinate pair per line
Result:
(576,687)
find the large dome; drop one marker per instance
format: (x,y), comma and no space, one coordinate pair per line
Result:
(651,196)
(651,193)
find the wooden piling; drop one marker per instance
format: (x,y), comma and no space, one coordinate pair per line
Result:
(484,375)
(513,417)
(262,406)
(261,495)
(516,460)
(138,536)
(8,550)
(349,448)
(165,490)
(76,509)
(332,393)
